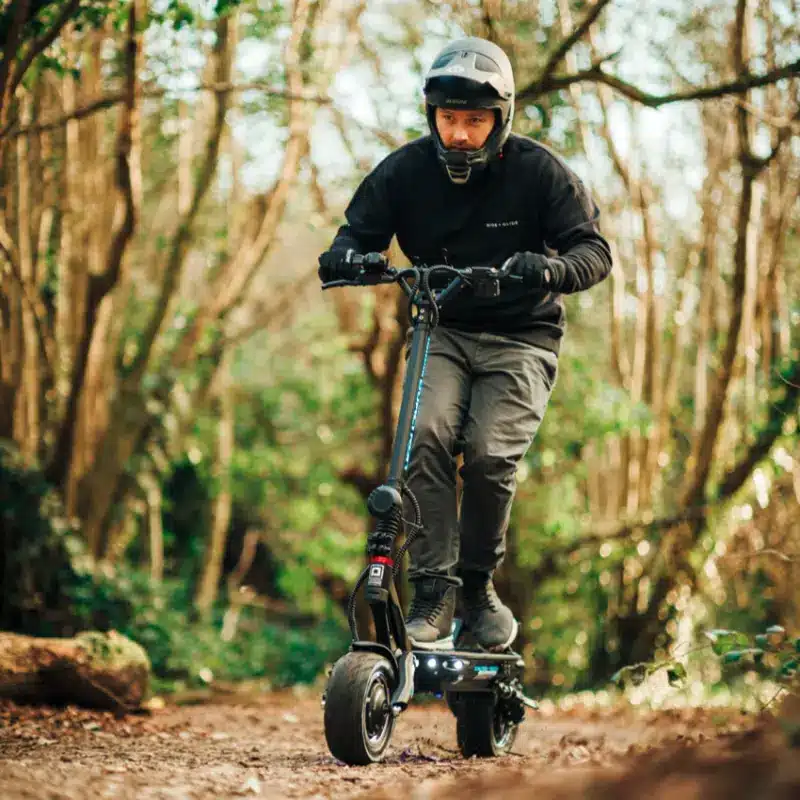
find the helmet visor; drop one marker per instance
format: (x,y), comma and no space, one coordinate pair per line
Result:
(457,91)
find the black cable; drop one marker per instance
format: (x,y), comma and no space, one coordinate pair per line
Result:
(351,604)
(413,529)
(412,297)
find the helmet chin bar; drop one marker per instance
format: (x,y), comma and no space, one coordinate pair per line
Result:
(461,164)
(458,175)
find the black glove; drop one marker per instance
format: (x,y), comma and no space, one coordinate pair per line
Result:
(536,270)
(337,265)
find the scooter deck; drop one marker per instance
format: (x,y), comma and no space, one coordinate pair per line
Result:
(473,655)
(463,670)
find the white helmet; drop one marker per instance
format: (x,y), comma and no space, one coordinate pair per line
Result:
(470,73)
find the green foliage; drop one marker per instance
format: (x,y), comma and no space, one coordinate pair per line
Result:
(774,657)
(637,674)
(304,414)
(50,588)
(93,14)
(676,673)
(110,650)
(725,641)
(186,652)
(37,545)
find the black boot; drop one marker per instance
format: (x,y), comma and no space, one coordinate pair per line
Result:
(430,618)
(489,620)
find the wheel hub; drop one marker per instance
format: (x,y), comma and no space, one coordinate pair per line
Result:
(377,710)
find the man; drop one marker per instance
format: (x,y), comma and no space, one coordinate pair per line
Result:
(472,193)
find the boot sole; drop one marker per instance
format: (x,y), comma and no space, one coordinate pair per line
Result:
(497,648)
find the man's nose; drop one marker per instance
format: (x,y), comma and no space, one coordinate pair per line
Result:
(460,135)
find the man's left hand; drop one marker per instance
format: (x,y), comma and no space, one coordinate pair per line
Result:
(536,270)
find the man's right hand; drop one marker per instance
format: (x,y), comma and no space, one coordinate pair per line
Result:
(337,265)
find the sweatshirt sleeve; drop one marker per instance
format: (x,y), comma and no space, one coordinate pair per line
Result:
(569,219)
(370,215)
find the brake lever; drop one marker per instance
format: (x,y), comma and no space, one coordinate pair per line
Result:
(366,278)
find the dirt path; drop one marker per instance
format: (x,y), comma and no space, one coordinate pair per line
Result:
(273,746)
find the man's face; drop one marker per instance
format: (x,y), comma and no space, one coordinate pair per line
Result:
(464,129)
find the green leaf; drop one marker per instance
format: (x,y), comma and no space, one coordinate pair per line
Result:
(797,645)
(676,673)
(732,656)
(762,641)
(635,673)
(723,641)
(776,635)
(789,668)
(751,654)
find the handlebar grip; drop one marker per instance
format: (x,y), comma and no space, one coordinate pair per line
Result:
(335,284)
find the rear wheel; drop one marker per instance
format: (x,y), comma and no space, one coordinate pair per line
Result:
(482,728)
(358,713)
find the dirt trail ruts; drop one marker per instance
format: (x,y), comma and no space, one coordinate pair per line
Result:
(273,746)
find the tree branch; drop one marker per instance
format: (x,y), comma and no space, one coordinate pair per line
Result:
(279,309)
(42,42)
(784,134)
(767,436)
(596,74)
(9,53)
(181,237)
(110,100)
(570,41)
(767,551)
(100,285)
(35,305)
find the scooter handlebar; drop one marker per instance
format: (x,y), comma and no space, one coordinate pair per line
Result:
(375,270)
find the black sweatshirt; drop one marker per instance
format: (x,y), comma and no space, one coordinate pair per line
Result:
(522,200)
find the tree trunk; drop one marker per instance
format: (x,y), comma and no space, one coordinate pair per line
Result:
(223,503)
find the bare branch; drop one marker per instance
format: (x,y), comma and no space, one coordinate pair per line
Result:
(596,74)
(384,136)
(570,41)
(767,436)
(110,100)
(784,135)
(767,551)
(42,42)
(37,309)
(278,310)
(181,238)
(9,52)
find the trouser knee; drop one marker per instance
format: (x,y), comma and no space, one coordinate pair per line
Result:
(489,471)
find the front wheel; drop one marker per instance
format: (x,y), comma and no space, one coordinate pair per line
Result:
(358,712)
(482,728)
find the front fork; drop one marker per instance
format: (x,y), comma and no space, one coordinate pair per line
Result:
(385,504)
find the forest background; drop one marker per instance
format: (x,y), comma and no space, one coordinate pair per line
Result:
(190,428)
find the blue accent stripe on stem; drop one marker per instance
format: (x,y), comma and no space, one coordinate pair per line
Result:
(416,405)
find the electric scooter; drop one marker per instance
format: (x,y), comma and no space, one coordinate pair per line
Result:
(375,680)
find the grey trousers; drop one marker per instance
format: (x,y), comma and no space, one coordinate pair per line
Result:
(489,393)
